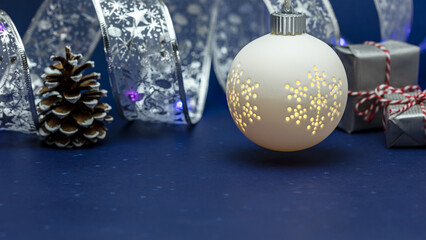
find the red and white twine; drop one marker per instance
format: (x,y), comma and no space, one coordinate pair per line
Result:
(378,99)
(388,59)
(412,96)
(376,105)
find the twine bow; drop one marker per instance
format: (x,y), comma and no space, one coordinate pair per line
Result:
(378,95)
(410,100)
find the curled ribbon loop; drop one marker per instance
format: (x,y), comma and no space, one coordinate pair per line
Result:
(153,78)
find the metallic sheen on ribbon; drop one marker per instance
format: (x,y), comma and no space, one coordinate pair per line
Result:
(17,106)
(154,77)
(59,23)
(396,17)
(159,61)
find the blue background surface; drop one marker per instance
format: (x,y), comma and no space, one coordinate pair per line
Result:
(209,182)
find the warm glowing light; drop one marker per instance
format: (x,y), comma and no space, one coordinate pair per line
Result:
(287,111)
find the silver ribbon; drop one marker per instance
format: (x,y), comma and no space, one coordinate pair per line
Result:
(59,23)
(154,77)
(17,106)
(159,61)
(56,24)
(239,22)
(395,17)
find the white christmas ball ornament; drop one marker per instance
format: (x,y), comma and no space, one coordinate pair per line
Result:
(287,92)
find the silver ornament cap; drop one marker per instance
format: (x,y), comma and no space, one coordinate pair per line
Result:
(288,22)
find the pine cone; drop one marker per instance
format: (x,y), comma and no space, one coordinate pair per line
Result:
(70,112)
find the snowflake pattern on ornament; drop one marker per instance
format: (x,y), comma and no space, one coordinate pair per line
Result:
(242,98)
(241,21)
(324,104)
(16,109)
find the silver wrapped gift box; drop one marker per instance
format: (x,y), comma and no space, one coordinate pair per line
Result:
(366,69)
(406,129)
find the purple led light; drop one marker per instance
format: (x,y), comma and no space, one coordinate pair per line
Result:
(179,106)
(342,42)
(2,28)
(134,96)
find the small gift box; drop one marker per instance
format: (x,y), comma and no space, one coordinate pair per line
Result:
(370,65)
(406,123)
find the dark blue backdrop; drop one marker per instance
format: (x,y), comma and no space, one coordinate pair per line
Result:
(164,182)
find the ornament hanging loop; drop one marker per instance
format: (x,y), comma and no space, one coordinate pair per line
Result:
(288,7)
